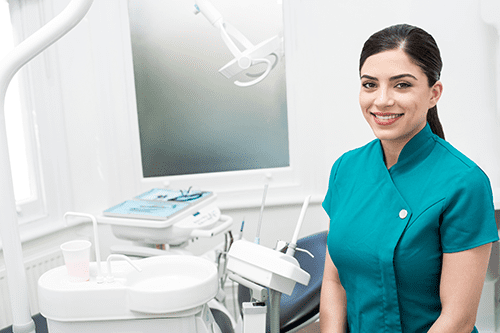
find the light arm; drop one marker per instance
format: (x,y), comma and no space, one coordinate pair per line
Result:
(251,55)
(462,280)
(9,229)
(333,302)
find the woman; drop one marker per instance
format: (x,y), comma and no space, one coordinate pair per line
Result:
(412,219)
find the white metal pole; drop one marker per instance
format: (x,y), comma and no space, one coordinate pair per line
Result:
(9,230)
(293,243)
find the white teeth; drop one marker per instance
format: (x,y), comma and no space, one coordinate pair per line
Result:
(392,116)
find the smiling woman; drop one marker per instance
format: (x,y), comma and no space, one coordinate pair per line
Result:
(421,50)
(395,98)
(409,213)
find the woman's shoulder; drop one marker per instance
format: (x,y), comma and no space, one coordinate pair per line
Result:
(350,161)
(454,158)
(456,165)
(453,155)
(362,152)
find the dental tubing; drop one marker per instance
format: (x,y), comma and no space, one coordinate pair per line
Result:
(9,229)
(293,243)
(259,224)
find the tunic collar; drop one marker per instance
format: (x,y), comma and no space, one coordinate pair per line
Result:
(415,150)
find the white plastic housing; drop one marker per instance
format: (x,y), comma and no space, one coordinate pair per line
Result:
(167,286)
(266,267)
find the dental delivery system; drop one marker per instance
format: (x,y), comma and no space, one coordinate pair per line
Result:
(258,267)
(167,292)
(251,56)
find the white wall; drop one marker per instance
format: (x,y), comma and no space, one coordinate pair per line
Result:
(329,38)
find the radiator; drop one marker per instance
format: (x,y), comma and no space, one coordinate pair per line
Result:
(35,265)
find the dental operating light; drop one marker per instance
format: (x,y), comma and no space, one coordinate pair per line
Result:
(252,55)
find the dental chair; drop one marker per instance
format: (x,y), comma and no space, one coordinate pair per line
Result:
(302,307)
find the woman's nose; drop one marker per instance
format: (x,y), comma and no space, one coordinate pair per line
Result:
(384,98)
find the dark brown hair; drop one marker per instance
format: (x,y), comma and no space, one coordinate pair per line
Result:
(420,47)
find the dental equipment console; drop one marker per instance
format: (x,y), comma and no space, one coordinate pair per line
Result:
(169,293)
(258,268)
(163,293)
(157,294)
(166,217)
(118,299)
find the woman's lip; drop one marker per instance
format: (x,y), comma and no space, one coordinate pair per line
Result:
(386,122)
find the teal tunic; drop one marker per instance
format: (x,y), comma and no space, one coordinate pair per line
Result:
(390,228)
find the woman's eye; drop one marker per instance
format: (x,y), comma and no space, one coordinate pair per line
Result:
(368,85)
(403,85)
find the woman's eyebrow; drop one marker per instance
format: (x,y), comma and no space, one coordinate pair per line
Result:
(393,78)
(368,77)
(397,77)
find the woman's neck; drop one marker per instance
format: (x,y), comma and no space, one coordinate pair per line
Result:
(392,149)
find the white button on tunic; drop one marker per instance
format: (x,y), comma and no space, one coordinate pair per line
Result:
(403,213)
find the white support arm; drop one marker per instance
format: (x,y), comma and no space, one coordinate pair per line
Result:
(9,229)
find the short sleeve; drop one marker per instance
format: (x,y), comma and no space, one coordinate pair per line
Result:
(468,220)
(330,198)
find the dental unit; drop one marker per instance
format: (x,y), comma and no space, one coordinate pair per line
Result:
(157,294)
(168,289)
(169,292)
(257,268)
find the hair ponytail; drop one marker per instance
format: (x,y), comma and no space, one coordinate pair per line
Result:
(434,123)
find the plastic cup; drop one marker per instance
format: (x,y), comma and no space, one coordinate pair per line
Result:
(76,257)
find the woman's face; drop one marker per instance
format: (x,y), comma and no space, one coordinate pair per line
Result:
(395,95)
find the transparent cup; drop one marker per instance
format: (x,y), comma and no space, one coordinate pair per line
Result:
(77,257)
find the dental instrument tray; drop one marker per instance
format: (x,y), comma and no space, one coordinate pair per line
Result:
(161,205)
(162,216)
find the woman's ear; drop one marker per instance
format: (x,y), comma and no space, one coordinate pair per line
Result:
(436,92)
